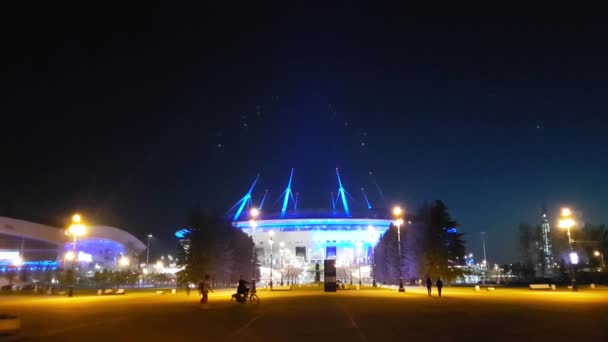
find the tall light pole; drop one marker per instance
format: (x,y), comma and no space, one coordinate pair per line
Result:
(270,241)
(397,212)
(253,214)
(76,229)
(566,222)
(370,261)
(148,257)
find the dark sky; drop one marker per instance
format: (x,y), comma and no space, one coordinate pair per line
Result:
(132,115)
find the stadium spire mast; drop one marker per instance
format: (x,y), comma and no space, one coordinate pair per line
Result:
(245,200)
(287,194)
(369,206)
(342,193)
(263,199)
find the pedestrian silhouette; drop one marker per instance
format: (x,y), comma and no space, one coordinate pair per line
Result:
(203,288)
(429,285)
(439,285)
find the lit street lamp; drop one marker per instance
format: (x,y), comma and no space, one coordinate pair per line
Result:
(601,255)
(397,212)
(566,222)
(76,229)
(253,214)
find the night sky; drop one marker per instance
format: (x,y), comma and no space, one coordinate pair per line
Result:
(133,115)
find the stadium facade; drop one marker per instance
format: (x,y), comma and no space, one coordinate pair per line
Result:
(293,240)
(36,247)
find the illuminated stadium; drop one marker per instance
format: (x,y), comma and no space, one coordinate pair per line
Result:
(35,247)
(291,241)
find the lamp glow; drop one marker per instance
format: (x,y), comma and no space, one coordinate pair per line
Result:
(69,255)
(124,261)
(566,223)
(18,261)
(573,258)
(254,212)
(77,229)
(397,211)
(76,218)
(566,212)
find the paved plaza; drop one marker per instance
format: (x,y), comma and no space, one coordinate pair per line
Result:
(311,315)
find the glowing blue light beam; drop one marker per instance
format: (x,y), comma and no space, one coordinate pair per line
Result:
(369,206)
(245,200)
(287,195)
(341,193)
(333,202)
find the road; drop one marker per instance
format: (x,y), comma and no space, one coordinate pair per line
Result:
(367,315)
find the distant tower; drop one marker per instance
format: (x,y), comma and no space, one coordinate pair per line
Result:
(545,244)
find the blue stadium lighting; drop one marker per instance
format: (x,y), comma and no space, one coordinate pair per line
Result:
(245,200)
(287,195)
(341,193)
(181,234)
(308,224)
(42,265)
(452,230)
(333,202)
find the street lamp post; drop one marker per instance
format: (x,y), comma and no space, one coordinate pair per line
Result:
(485,257)
(359,247)
(253,214)
(148,258)
(281,251)
(76,229)
(397,212)
(566,222)
(270,241)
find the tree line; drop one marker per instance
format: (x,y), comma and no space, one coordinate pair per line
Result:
(430,247)
(531,265)
(213,246)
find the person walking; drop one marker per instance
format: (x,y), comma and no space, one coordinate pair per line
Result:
(204,287)
(429,285)
(439,285)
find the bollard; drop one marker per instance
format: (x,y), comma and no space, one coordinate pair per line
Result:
(552,286)
(173,291)
(592,286)
(99,292)
(477,288)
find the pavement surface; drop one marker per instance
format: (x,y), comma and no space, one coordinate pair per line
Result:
(306,315)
